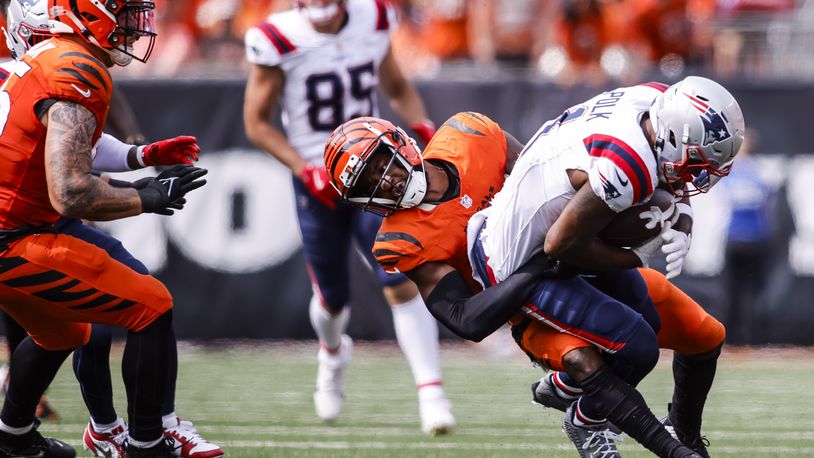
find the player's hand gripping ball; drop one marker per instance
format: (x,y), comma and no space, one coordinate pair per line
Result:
(640,223)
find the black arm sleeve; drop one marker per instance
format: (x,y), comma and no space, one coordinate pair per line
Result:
(474,316)
(120,183)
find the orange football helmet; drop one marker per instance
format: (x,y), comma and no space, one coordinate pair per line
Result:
(354,145)
(113,25)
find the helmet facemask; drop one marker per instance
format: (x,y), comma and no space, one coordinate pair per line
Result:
(401,182)
(695,143)
(135,21)
(113,25)
(28,24)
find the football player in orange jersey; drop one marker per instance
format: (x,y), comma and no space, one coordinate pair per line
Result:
(424,234)
(28,23)
(55,284)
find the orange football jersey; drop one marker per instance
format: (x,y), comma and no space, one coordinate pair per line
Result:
(57,69)
(476,147)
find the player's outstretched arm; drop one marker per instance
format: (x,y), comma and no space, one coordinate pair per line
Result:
(113,155)
(72,189)
(470,315)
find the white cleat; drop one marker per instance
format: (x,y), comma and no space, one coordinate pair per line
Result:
(185,441)
(329,396)
(436,416)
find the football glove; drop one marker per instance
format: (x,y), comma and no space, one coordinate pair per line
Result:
(165,193)
(178,150)
(316,181)
(646,250)
(424,130)
(676,246)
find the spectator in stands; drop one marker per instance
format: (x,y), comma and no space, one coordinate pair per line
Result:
(749,251)
(583,31)
(513,32)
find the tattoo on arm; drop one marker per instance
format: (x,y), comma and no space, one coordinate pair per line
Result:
(73,190)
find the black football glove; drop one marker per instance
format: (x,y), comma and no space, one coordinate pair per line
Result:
(165,193)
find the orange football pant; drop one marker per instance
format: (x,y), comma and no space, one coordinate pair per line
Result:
(55,285)
(685,326)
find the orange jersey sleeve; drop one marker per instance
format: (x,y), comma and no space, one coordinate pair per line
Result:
(473,147)
(57,69)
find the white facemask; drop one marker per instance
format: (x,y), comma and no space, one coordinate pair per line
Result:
(321,14)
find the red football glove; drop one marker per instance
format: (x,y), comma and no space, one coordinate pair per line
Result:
(172,151)
(316,181)
(424,130)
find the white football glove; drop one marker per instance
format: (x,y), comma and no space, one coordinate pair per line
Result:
(676,246)
(646,250)
(656,217)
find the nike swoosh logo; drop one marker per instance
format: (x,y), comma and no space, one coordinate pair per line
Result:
(168,182)
(85,93)
(621,181)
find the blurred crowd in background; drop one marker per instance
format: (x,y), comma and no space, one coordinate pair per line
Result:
(564,41)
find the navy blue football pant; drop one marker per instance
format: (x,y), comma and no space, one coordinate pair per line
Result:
(612,311)
(91,363)
(327,238)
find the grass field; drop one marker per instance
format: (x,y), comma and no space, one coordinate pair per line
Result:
(255,400)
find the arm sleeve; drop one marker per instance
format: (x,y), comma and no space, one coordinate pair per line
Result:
(111,155)
(611,184)
(474,316)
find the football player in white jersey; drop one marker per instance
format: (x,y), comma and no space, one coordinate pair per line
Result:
(613,311)
(323,62)
(578,171)
(105,434)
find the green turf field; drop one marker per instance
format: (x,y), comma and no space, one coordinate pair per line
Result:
(255,400)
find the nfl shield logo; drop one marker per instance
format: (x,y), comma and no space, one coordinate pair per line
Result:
(466,201)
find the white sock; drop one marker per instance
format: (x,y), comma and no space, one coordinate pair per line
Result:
(16,431)
(105,427)
(329,328)
(170,420)
(417,334)
(141,444)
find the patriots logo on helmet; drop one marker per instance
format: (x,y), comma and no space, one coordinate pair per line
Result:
(715,129)
(610,190)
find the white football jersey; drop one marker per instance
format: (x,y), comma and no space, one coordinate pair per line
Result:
(329,79)
(602,137)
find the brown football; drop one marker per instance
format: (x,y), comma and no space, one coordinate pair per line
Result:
(626,229)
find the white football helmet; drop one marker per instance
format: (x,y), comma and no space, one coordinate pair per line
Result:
(699,130)
(27,22)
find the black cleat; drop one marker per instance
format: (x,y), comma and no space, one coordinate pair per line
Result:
(698,444)
(33,445)
(160,450)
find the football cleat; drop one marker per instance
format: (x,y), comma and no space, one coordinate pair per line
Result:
(160,450)
(544,393)
(436,416)
(111,444)
(33,444)
(329,396)
(698,444)
(597,441)
(184,441)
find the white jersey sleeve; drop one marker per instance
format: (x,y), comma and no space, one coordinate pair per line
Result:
(262,44)
(618,175)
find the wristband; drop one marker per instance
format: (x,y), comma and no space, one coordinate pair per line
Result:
(140,155)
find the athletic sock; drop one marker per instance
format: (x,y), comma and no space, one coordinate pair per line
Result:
(144,368)
(32,369)
(16,431)
(565,387)
(580,419)
(106,427)
(417,335)
(328,327)
(608,396)
(693,376)
(91,366)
